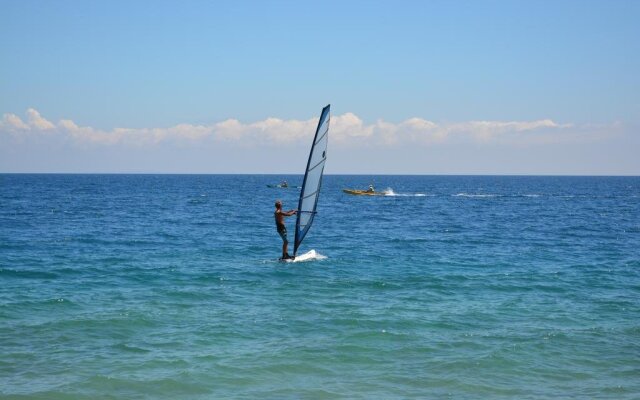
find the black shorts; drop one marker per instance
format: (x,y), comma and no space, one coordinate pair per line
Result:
(282,231)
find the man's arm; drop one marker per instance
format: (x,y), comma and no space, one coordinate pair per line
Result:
(289,213)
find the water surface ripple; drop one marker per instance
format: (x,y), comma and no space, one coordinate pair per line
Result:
(168,286)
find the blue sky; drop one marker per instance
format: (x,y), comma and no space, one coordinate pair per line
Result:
(428,87)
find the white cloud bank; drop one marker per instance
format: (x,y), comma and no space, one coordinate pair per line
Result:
(346,130)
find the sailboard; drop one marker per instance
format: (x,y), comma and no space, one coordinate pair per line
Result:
(312,179)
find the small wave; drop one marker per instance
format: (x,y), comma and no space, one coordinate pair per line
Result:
(26,274)
(130,348)
(198,200)
(472,195)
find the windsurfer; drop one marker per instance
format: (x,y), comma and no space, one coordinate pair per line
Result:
(281,227)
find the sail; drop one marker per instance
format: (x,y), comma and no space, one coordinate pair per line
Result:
(312,179)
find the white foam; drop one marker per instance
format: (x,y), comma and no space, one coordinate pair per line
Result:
(311,255)
(390,192)
(474,195)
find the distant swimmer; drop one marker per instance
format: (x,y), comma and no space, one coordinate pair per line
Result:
(371,189)
(282,229)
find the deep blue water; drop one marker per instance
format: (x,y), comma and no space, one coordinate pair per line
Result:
(168,286)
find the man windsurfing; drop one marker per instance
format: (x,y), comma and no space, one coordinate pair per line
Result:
(282,229)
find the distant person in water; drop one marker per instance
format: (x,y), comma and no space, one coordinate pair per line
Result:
(282,229)
(284,184)
(370,190)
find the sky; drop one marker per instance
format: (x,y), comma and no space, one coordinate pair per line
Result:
(415,87)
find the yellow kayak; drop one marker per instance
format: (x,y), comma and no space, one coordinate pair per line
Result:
(363,192)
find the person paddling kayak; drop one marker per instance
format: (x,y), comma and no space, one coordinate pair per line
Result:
(281,227)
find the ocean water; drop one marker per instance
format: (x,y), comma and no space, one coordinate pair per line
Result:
(462,287)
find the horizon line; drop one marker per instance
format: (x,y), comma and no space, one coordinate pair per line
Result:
(331,174)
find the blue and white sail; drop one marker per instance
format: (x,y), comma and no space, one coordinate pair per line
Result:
(312,179)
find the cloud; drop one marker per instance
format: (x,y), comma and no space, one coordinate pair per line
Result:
(37,122)
(485,131)
(346,130)
(349,126)
(12,123)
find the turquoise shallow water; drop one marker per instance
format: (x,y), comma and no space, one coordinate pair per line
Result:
(167,286)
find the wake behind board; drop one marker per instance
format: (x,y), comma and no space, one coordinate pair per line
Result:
(310,255)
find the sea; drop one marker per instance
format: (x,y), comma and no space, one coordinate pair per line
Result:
(448,287)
